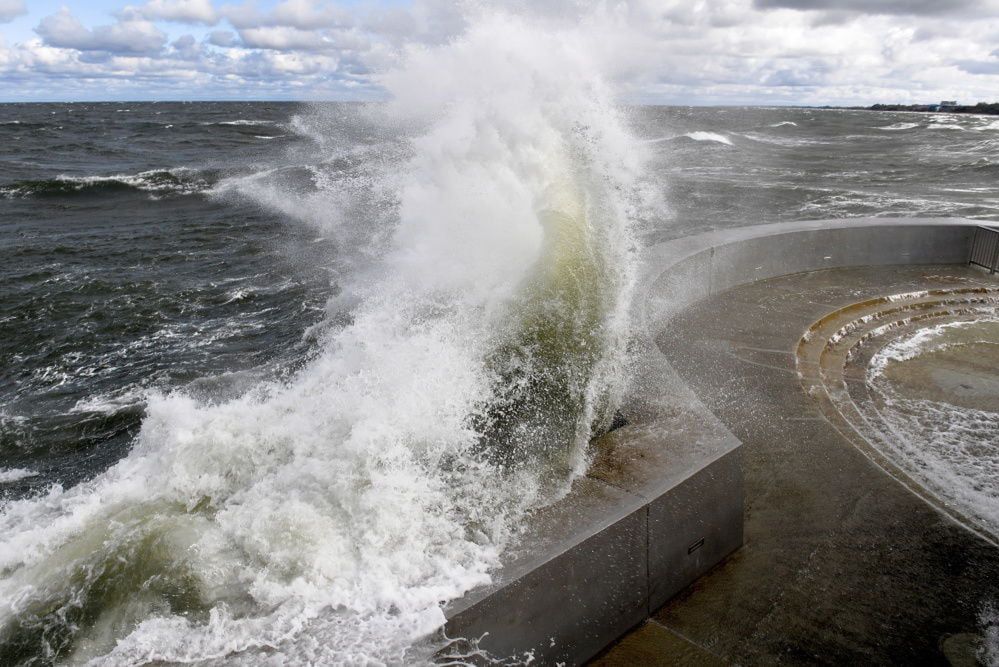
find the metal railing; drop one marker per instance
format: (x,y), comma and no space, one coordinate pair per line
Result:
(985,248)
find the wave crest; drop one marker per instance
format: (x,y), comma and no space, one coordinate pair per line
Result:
(709,136)
(179,181)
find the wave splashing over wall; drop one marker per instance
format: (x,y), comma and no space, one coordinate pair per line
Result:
(327,518)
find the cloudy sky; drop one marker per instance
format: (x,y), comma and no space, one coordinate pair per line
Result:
(667,51)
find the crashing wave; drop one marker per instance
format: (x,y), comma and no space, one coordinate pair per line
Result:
(329,516)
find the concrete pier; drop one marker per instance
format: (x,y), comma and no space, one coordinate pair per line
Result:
(842,563)
(660,506)
(663,503)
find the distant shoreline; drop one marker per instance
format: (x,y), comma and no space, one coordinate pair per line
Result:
(989,108)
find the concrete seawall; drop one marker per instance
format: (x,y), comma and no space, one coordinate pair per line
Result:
(677,273)
(662,503)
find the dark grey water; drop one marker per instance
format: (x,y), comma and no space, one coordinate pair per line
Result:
(151,246)
(739,166)
(122,270)
(146,248)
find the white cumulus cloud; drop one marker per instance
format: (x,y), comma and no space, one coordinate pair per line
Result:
(300,14)
(128,35)
(284,38)
(183,11)
(665,51)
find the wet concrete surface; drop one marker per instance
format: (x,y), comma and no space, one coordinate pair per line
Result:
(841,564)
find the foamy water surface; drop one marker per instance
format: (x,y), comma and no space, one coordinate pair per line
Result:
(950,445)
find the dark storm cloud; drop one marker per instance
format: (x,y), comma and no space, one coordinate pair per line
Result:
(223,38)
(186,48)
(11,9)
(914,7)
(979,66)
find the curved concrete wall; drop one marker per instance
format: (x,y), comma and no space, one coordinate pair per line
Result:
(663,500)
(677,273)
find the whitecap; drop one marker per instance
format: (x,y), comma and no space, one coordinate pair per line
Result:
(8,475)
(245,122)
(237,295)
(709,136)
(695,136)
(111,403)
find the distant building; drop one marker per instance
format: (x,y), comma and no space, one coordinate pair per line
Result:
(949,103)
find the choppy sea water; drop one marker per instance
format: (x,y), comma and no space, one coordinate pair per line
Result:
(226,435)
(126,268)
(724,167)
(151,246)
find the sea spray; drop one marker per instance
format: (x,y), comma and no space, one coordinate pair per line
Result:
(548,395)
(326,518)
(548,239)
(988,619)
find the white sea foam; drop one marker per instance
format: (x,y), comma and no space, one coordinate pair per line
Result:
(245,122)
(780,139)
(785,123)
(952,449)
(924,340)
(709,136)
(178,181)
(325,519)
(899,126)
(110,403)
(988,618)
(695,136)
(8,475)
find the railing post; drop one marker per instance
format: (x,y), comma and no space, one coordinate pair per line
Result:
(985,243)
